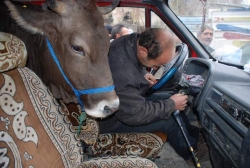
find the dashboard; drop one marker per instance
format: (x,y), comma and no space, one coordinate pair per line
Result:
(223,106)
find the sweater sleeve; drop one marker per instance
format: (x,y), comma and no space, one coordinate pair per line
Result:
(135,110)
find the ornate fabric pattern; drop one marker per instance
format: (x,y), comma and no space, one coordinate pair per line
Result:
(33,131)
(146,145)
(66,142)
(12,52)
(89,131)
(118,162)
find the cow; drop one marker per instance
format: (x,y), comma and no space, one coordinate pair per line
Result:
(75,33)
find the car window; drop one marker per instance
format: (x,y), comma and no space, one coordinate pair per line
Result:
(132,18)
(156,22)
(229,39)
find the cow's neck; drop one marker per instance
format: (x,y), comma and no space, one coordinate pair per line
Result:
(60,93)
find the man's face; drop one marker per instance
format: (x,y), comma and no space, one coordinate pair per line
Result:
(166,56)
(206,37)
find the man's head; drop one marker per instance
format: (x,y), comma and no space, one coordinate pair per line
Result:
(205,35)
(109,28)
(118,31)
(156,47)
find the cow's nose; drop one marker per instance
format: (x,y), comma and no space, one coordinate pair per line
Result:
(107,110)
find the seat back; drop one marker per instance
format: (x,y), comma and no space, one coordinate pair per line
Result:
(33,128)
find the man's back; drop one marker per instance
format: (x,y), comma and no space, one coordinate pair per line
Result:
(128,75)
(126,72)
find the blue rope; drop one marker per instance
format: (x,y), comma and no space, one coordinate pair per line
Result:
(96,90)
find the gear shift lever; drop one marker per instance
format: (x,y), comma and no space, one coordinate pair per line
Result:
(179,120)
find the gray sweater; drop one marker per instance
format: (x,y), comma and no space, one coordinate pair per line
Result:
(130,85)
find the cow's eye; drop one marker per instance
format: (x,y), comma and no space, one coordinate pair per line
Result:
(78,49)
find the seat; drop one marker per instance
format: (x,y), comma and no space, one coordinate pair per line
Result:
(146,145)
(36,130)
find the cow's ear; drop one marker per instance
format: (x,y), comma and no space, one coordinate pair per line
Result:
(107,9)
(33,19)
(86,3)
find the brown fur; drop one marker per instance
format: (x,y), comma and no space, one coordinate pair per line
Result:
(79,25)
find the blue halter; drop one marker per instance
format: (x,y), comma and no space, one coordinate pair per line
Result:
(78,93)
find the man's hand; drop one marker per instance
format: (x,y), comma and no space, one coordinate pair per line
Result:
(180,101)
(150,78)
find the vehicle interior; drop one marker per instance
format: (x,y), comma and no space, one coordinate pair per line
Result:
(222,104)
(217,83)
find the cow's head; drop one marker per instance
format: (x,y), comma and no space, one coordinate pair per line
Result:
(76,31)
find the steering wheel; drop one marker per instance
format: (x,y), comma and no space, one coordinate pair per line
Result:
(170,68)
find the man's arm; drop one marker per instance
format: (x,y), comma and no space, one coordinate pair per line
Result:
(135,110)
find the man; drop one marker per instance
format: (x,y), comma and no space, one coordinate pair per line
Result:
(205,36)
(128,57)
(109,28)
(118,31)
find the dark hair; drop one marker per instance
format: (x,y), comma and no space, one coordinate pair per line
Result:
(116,30)
(109,28)
(203,28)
(149,40)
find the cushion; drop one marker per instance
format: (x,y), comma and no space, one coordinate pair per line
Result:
(33,128)
(13,52)
(118,162)
(146,145)
(89,131)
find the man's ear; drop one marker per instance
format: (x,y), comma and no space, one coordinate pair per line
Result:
(118,35)
(143,51)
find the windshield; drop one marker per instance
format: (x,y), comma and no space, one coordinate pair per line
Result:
(221,26)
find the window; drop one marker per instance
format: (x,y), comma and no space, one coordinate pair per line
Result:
(132,18)
(229,41)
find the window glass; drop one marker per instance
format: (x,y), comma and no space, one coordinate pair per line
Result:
(224,25)
(132,18)
(156,22)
